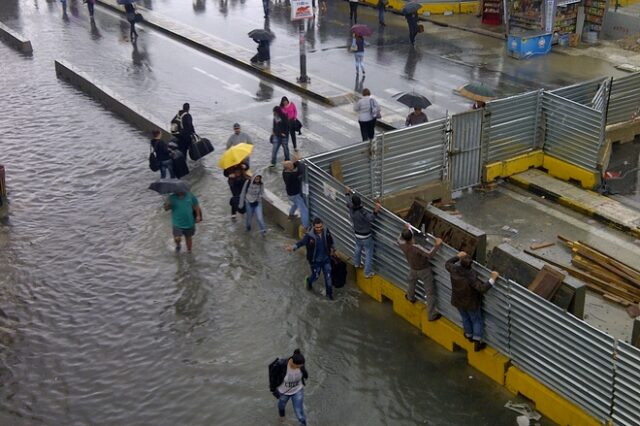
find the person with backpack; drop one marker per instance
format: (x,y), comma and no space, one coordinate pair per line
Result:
(362,221)
(466,296)
(319,244)
(251,200)
(287,381)
(163,155)
(182,128)
(368,112)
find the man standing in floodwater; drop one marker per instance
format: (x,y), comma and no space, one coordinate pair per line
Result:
(185,213)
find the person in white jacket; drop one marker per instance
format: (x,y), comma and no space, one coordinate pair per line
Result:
(368,111)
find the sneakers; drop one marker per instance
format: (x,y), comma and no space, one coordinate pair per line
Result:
(330,296)
(410,300)
(436,317)
(469,338)
(233,217)
(369,275)
(292,216)
(478,346)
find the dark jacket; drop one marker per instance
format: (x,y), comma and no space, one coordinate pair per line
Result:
(466,288)
(282,372)
(281,127)
(236,184)
(360,218)
(187,125)
(292,179)
(311,239)
(412,19)
(161,148)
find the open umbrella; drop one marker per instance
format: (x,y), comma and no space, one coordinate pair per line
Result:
(361,30)
(234,155)
(413,100)
(169,186)
(411,7)
(477,92)
(259,34)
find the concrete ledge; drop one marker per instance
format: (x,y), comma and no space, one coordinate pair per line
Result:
(402,201)
(517,266)
(557,408)
(15,40)
(588,179)
(624,132)
(478,235)
(114,102)
(506,168)
(277,211)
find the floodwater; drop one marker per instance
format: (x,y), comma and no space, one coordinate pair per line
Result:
(102,323)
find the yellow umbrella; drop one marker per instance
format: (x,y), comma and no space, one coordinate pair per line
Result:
(234,155)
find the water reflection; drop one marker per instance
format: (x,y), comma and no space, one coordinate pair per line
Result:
(95,32)
(413,57)
(193,293)
(140,57)
(265,92)
(199,6)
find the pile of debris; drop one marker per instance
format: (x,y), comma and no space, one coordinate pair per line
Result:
(631,42)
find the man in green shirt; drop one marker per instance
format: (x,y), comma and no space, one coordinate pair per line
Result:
(185,213)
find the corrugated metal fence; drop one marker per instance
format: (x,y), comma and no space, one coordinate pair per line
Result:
(510,126)
(573,132)
(561,351)
(624,100)
(581,93)
(465,165)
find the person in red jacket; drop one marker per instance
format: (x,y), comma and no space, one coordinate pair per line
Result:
(466,295)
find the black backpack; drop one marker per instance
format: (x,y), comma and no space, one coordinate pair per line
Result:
(277,371)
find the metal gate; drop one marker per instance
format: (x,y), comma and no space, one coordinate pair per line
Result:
(464,152)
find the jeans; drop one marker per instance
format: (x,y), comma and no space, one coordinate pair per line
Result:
(381,16)
(164,166)
(297,399)
(90,7)
(472,323)
(251,210)
(297,203)
(413,32)
(359,61)
(265,6)
(353,11)
(324,267)
(277,142)
(367,245)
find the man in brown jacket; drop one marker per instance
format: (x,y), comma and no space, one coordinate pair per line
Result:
(420,268)
(466,295)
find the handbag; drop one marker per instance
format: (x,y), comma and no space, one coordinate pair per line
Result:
(137,17)
(354,46)
(375,109)
(154,164)
(297,126)
(420,28)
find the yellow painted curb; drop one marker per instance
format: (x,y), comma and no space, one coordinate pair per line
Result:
(547,401)
(513,165)
(370,286)
(432,8)
(565,171)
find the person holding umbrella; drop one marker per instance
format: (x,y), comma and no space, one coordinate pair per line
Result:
(416,117)
(359,31)
(418,103)
(263,38)
(410,11)
(479,93)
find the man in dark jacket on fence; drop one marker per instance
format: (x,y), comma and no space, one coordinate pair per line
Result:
(362,221)
(466,295)
(319,244)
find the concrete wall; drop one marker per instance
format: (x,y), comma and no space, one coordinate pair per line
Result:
(515,265)
(15,40)
(620,25)
(471,233)
(275,209)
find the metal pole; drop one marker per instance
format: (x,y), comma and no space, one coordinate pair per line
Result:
(304,78)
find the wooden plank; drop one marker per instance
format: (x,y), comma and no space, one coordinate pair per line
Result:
(615,265)
(538,246)
(604,275)
(616,299)
(546,283)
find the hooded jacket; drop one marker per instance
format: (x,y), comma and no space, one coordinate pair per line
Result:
(362,219)
(466,288)
(251,192)
(311,241)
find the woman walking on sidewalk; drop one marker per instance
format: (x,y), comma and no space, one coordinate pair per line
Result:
(251,201)
(289,109)
(359,54)
(368,111)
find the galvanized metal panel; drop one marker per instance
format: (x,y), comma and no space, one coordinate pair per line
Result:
(412,156)
(601,98)
(563,352)
(510,127)
(573,132)
(626,391)
(624,100)
(581,93)
(464,154)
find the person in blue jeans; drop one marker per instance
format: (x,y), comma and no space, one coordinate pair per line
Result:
(382,4)
(292,175)
(319,244)
(362,221)
(291,376)
(279,135)
(251,200)
(466,296)
(163,155)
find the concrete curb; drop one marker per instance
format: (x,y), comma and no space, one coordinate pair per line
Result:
(15,40)
(275,209)
(574,204)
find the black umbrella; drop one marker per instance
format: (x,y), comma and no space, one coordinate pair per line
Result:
(413,100)
(169,186)
(259,34)
(411,7)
